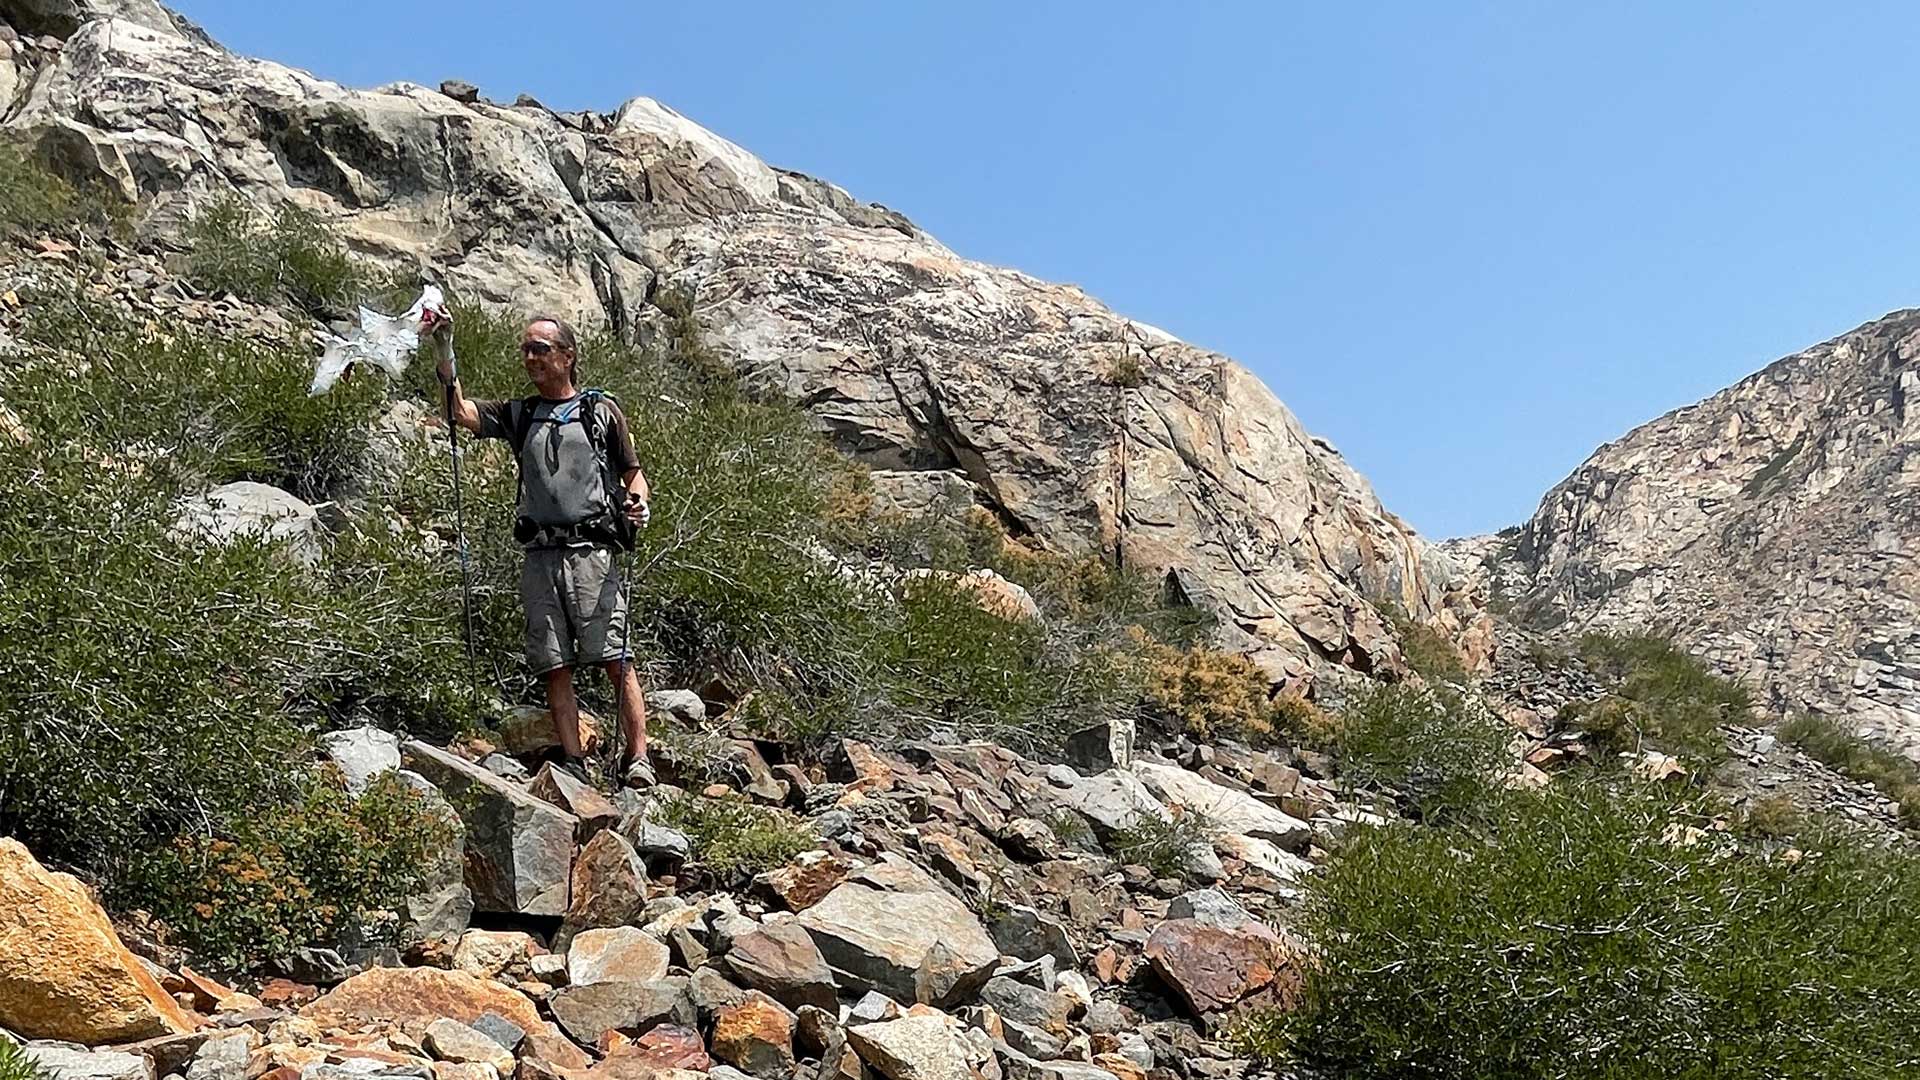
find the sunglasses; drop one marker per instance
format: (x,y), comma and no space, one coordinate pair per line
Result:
(535,348)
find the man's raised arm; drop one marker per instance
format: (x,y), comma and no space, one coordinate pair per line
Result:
(457,408)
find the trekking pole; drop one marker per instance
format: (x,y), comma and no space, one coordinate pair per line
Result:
(444,345)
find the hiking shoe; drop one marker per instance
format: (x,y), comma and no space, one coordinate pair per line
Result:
(580,769)
(638,774)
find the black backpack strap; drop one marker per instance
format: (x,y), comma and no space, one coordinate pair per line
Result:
(520,422)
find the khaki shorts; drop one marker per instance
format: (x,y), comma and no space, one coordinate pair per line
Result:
(576,612)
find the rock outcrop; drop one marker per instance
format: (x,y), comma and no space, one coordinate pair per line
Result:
(1773,527)
(1079,427)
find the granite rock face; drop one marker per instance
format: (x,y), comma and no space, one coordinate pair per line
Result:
(1078,427)
(1774,527)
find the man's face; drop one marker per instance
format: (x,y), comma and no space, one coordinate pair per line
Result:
(540,351)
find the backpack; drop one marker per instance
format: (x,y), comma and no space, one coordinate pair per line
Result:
(611,527)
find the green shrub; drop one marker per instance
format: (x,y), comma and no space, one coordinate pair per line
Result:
(307,873)
(1682,703)
(33,199)
(1425,650)
(1439,750)
(16,1065)
(196,407)
(1168,847)
(1578,932)
(1826,741)
(732,836)
(286,255)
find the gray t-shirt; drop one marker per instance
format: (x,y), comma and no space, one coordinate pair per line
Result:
(560,478)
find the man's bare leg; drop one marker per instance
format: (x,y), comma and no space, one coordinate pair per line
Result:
(633,709)
(565,710)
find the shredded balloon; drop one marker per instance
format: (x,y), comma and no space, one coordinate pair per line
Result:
(383,341)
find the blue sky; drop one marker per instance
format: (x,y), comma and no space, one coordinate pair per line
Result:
(1466,242)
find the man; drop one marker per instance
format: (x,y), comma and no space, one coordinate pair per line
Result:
(572,486)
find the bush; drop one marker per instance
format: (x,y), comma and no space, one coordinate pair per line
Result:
(1168,847)
(192,405)
(1771,817)
(1437,749)
(286,255)
(1125,370)
(1681,702)
(733,837)
(1207,693)
(324,867)
(34,199)
(1826,741)
(1576,932)
(1305,723)
(1426,650)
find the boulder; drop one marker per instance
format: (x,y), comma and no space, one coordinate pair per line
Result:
(1033,1006)
(587,1013)
(804,882)
(443,905)
(615,954)
(756,1037)
(913,946)
(1233,811)
(491,954)
(361,754)
(669,1046)
(1103,746)
(994,594)
(1211,907)
(924,1047)
(451,1040)
(683,705)
(1027,934)
(245,509)
(1268,858)
(460,90)
(609,887)
(519,849)
(1111,801)
(222,1057)
(70,1063)
(781,960)
(501,1030)
(1017,1066)
(574,796)
(528,731)
(412,998)
(657,844)
(1212,969)
(63,972)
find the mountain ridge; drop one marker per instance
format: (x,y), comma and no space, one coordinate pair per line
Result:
(1768,526)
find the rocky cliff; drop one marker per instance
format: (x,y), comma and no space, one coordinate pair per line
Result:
(1081,428)
(1773,527)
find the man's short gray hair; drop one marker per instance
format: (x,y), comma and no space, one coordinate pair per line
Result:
(565,338)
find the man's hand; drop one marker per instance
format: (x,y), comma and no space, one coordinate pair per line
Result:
(638,510)
(438,326)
